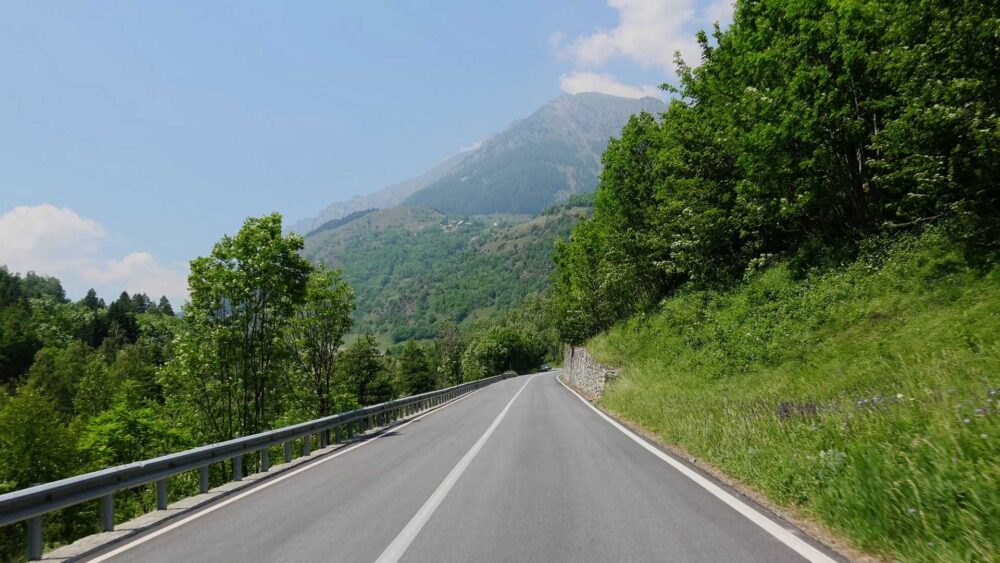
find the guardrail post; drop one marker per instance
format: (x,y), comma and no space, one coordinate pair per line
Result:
(108,513)
(288,452)
(161,494)
(323,439)
(307,445)
(336,435)
(203,479)
(265,458)
(350,431)
(238,468)
(35,538)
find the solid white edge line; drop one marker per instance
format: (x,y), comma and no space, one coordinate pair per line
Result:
(399,545)
(269,482)
(780,533)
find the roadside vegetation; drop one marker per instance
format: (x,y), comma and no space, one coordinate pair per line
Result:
(797,267)
(866,397)
(87,385)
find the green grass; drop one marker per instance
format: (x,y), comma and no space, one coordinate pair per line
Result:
(866,397)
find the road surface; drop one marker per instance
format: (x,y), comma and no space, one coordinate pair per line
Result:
(522,470)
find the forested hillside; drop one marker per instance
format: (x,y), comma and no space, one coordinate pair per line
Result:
(796,266)
(420,274)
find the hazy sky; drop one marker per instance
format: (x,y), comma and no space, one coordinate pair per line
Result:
(134,135)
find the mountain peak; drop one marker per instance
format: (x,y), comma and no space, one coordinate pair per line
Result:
(536,161)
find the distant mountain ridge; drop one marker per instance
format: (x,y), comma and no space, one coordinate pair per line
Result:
(535,162)
(389,196)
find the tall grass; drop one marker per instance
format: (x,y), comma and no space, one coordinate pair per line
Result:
(867,396)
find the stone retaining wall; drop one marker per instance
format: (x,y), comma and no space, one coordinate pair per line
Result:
(586,373)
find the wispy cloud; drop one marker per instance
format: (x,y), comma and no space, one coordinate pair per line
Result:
(57,241)
(577,82)
(648,33)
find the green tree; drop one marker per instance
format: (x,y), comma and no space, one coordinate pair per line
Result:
(18,343)
(415,373)
(36,445)
(164,307)
(10,287)
(91,301)
(364,366)
(243,297)
(314,336)
(129,430)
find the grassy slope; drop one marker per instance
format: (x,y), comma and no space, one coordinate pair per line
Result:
(866,397)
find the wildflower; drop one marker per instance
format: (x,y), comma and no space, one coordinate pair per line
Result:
(981,410)
(983,436)
(899,395)
(911,510)
(967,421)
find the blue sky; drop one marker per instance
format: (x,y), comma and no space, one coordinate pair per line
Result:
(132,136)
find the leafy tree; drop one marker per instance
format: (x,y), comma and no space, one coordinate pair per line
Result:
(10,287)
(34,285)
(36,446)
(121,318)
(130,430)
(314,336)
(415,373)
(18,343)
(364,366)
(448,355)
(141,303)
(164,307)
(499,349)
(243,297)
(57,373)
(91,301)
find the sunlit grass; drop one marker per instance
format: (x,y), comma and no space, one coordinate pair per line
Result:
(867,397)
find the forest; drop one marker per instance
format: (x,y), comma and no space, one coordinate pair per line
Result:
(806,127)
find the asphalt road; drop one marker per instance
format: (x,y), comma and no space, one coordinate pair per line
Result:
(522,470)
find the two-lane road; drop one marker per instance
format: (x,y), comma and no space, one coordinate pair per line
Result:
(522,470)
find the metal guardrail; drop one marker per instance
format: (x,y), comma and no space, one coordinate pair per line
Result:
(33,503)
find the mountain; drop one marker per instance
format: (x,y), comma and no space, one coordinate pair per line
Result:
(417,272)
(535,162)
(389,196)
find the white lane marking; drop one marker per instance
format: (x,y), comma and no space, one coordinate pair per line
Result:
(409,532)
(271,482)
(780,533)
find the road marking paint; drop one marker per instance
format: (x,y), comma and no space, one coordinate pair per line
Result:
(780,533)
(409,532)
(269,482)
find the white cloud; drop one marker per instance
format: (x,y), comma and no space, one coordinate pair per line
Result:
(47,238)
(719,11)
(139,272)
(577,82)
(648,33)
(57,241)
